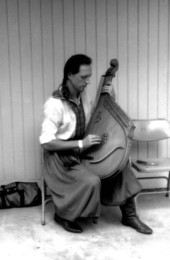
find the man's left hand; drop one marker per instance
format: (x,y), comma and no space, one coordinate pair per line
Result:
(108,88)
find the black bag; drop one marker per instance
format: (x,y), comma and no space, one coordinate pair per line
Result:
(20,194)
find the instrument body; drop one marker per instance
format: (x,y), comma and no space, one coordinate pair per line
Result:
(116,129)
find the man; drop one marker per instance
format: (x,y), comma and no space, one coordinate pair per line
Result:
(76,192)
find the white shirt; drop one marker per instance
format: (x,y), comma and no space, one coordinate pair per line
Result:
(59,120)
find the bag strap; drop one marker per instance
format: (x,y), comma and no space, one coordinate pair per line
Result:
(2,195)
(10,190)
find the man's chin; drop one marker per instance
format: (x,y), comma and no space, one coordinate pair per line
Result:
(82,89)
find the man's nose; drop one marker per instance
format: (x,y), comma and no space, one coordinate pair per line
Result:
(87,80)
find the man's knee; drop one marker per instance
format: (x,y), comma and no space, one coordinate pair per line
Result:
(94,181)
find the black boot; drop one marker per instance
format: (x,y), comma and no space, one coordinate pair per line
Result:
(68,225)
(130,218)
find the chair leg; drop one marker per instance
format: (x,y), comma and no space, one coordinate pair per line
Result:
(168,185)
(136,207)
(43,203)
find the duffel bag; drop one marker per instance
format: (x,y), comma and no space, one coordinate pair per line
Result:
(20,194)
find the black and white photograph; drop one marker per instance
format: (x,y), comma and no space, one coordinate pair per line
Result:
(85,129)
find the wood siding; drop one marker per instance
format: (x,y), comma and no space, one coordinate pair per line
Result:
(37,37)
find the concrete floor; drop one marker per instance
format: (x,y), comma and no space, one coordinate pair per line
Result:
(23,237)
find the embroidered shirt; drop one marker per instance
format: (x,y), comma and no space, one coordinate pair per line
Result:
(59,120)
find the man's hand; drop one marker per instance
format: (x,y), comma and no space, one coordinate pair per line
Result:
(91,140)
(108,88)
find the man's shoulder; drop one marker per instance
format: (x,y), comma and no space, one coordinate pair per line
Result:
(54,102)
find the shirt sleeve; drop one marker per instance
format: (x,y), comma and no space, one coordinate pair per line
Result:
(51,121)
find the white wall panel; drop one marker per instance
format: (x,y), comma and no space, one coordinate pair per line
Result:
(6,120)
(37,77)
(132,60)
(153,58)
(26,87)
(101,38)
(47,47)
(91,39)
(69,28)
(79,24)
(112,35)
(16,90)
(122,93)
(58,41)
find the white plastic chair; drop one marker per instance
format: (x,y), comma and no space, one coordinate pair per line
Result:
(151,131)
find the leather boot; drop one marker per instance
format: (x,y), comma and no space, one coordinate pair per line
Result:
(130,218)
(68,225)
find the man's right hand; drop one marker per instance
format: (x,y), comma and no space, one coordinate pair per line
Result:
(91,140)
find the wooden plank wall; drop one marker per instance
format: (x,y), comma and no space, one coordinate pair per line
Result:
(37,37)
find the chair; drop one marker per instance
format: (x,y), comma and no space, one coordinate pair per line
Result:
(45,197)
(152,131)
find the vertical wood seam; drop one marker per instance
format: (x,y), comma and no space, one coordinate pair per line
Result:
(32,85)
(21,82)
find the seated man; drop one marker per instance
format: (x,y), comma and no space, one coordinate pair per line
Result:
(77,192)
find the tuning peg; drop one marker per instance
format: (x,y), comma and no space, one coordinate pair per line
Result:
(114,63)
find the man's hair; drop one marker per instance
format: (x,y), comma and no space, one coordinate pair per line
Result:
(73,65)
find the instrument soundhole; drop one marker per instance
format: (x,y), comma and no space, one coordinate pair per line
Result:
(104,138)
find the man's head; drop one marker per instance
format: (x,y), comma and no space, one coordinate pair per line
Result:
(77,71)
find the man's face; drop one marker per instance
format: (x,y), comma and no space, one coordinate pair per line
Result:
(82,78)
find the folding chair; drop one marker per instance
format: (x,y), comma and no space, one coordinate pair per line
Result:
(45,198)
(152,131)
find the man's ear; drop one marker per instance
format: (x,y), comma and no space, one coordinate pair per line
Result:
(70,75)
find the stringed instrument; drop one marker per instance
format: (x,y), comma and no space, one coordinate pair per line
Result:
(116,130)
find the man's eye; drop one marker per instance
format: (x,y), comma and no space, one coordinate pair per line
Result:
(85,77)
